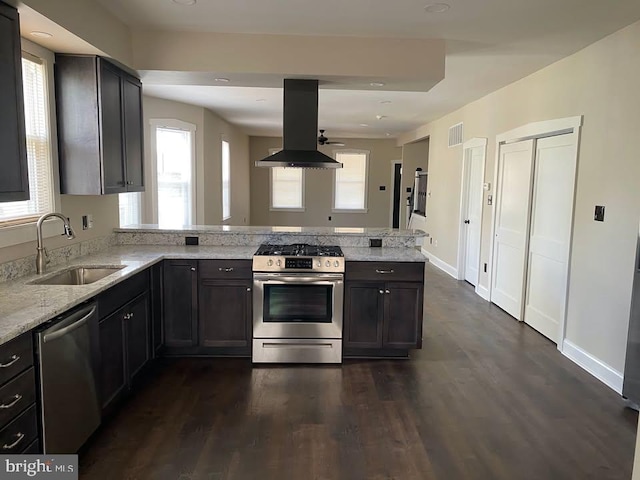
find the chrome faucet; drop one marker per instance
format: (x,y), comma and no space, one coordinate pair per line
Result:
(41,255)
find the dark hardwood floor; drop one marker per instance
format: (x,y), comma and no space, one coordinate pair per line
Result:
(486,398)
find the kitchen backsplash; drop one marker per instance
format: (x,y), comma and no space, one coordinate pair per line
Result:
(27,265)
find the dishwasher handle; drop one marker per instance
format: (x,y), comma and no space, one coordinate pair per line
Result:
(69,324)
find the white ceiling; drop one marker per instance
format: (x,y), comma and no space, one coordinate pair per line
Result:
(490,43)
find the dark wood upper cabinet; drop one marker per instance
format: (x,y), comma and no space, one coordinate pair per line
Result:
(99,126)
(14,183)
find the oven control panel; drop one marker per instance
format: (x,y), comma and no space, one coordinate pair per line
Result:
(298,264)
(294,262)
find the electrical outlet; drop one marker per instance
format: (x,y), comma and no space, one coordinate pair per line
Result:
(599,214)
(430,241)
(485,268)
(329,217)
(87,222)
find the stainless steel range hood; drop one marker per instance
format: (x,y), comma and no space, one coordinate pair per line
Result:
(300,129)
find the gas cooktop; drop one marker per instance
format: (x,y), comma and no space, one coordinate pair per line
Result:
(300,250)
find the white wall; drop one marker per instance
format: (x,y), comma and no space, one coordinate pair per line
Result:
(319,187)
(210,130)
(601,83)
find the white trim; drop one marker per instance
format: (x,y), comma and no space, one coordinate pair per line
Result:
(482,291)
(393,173)
(442,265)
(539,129)
(366,181)
(464,203)
(151,197)
(596,367)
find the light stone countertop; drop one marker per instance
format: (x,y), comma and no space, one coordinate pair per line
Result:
(24,306)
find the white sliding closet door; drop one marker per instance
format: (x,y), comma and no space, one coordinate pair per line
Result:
(512,226)
(551,220)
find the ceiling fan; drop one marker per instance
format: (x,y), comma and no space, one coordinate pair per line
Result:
(322,140)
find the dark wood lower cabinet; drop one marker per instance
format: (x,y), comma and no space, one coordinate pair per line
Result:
(224,314)
(382,318)
(180,299)
(112,379)
(136,320)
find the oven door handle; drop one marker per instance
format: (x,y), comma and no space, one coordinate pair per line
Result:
(287,277)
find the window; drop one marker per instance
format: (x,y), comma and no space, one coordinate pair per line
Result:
(226,181)
(287,187)
(172,142)
(350,186)
(36,107)
(130,208)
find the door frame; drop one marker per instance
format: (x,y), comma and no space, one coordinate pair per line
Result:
(464,204)
(393,172)
(536,131)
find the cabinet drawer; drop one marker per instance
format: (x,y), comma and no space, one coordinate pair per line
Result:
(124,292)
(19,434)
(385,271)
(225,269)
(17,395)
(15,356)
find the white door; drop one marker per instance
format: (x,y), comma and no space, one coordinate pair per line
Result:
(551,219)
(512,226)
(472,221)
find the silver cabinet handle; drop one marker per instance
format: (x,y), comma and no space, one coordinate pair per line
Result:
(248,289)
(387,292)
(20,437)
(193,269)
(16,398)
(227,269)
(381,291)
(14,359)
(131,315)
(382,272)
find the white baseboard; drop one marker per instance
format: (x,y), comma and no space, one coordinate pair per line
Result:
(444,266)
(483,292)
(603,372)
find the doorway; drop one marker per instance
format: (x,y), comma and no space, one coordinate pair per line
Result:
(474,154)
(396,179)
(533,220)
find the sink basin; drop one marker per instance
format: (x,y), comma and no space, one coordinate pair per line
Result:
(78,275)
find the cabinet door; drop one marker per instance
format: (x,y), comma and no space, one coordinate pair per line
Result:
(224,308)
(132,110)
(136,321)
(403,315)
(363,311)
(113,378)
(14,184)
(112,132)
(180,303)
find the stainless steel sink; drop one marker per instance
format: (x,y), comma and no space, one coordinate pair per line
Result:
(79,275)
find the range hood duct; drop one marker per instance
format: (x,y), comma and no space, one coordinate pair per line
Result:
(300,129)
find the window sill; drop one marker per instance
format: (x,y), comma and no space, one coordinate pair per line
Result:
(26,232)
(340,210)
(284,209)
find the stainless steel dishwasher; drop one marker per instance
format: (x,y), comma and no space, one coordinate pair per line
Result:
(70,409)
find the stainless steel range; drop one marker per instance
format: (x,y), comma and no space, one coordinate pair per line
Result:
(297,304)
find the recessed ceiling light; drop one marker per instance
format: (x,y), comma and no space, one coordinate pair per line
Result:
(41,34)
(186,3)
(377,84)
(437,7)
(380,117)
(222,80)
(364,124)
(388,134)
(261,100)
(385,102)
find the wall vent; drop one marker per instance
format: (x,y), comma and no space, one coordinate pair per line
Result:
(456,135)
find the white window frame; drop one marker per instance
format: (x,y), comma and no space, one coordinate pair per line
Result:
(366,183)
(152,196)
(222,142)
(26,232)
(302,208)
